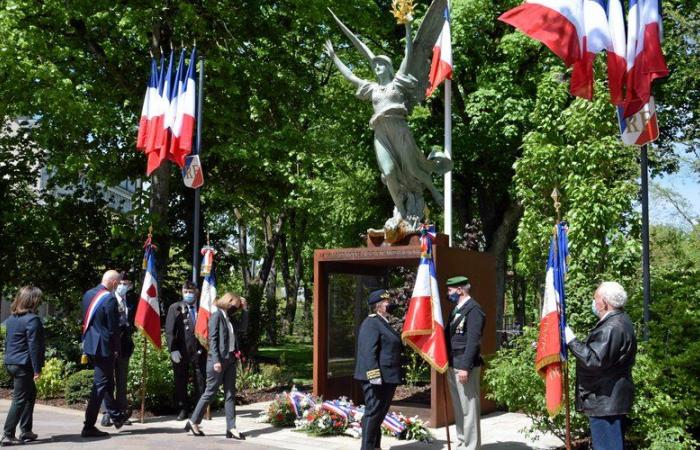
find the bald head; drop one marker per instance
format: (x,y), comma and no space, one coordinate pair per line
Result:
(110,279)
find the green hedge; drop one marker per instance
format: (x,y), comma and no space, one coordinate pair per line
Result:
(78,386)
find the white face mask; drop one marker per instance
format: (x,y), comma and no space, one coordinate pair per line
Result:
(594,309)
(122,290)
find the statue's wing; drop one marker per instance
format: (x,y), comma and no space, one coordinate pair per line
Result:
(361,47)
(419,61)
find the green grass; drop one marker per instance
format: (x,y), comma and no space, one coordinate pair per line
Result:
(293,356)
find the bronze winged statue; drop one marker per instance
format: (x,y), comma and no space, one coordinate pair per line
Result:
(404,167)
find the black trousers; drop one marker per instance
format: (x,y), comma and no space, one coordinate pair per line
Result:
(227,377)
(377,404)
(102,389)
(23,398)
(121,376)
(195,366)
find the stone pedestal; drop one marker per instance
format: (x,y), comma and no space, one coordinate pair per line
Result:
(342,279)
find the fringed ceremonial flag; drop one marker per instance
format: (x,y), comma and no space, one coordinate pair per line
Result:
(148,311)
(206,299)
(551,347)
(423,327)
(441,66)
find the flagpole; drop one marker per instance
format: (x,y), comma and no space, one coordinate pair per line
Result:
(197,203)
(445,386)
(565,363)
(646,284)
(143,379)
(448,152)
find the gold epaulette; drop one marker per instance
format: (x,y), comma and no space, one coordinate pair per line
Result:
(374,373)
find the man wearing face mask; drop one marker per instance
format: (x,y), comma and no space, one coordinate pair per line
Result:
(604,360)
(186,353)
(101,345)
(377,366)
(126,306)
(464,330)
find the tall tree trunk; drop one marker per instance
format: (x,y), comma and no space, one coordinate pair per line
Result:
(243,248)
(290,305)
(159,209)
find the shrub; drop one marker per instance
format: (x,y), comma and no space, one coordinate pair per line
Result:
(5,377)
(51,382)
(274,374)
(78,386)
(62,338)
(415,369)
(250,377)
(159,377)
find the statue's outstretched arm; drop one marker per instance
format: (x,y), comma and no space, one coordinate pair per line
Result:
(347,73)
(409,48)
(359,45)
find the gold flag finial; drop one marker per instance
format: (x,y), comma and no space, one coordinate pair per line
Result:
(402,10)
(557,205)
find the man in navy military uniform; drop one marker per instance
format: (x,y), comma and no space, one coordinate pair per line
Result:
(101,345)
(378,366)
(186,353)
(464,330)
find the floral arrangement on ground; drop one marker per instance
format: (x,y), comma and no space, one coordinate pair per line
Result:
(312,415)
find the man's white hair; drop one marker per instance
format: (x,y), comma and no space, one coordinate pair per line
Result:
(613,293)
(110,275)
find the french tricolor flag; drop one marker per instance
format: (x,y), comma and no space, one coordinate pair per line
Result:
(147,317)
(645,60)
(574,30)
(206,299)
(149,107)
(183,124)
(617,64)
(171,113)
(153,150)
(441,66)
(423,327)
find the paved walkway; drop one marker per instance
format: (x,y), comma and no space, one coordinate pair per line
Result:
(60,428)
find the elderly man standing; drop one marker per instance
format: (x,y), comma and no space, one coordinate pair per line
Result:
(464,330)
(101,346)
(604,360)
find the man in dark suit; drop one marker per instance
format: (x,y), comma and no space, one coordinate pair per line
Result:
(377,366)
(464,330)
(101,345)
(126,306)
(186,353)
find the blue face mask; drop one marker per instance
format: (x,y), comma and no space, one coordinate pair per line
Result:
(453,297)
(189,298)
(122,289)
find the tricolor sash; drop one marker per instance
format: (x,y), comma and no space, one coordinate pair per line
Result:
(96,301)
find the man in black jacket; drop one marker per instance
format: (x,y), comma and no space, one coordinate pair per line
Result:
(186,353)
(604,360)
(126,306)
(377,366)
(464,330)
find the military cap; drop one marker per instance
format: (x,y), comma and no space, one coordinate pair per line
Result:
(458,281)
(377,296)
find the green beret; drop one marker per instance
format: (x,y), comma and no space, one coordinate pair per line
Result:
(458,281)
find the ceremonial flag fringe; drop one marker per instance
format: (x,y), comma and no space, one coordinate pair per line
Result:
(167,123)
(206,299)
(148,311)
(423,328)
(441,66)
(551,347)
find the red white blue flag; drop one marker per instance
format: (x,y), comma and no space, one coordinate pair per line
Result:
(441,66)
(551,347)
(423,328)
(617,63)
(575,30)
(206,299)
(183,123)
(645,60)
(149,108)
(148,311)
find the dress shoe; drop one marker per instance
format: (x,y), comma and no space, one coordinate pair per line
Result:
(189,426)
(93,432)
(182,415)
(28,436)
(233,433)
(9,440)
(106,421)
(127,422)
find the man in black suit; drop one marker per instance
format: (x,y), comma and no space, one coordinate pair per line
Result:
(101,345)
(377,366)
(464,330)
(126,306)
(186,353)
